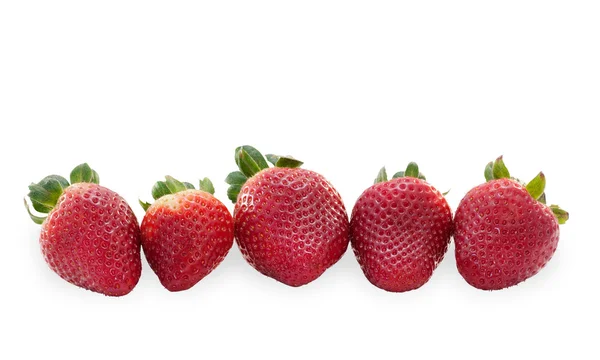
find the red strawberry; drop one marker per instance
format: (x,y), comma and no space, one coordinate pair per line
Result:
(400,230)
(505,233)
(290,223)
(90,237)
(186,233)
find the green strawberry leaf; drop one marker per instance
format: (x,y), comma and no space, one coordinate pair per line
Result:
(560,214)
(536,186)
(381,176)
(284,161)
(145,205)
(36,219)
(236,178)
(249,160)
(233,192)
(399,174)
(499,170)
(207,185)
(84,174)
(489,173)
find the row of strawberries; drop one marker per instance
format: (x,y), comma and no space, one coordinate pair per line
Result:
(291,225)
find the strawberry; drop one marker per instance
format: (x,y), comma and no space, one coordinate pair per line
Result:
(90,237)
(505,232)
(186,233)
(290,223)
(400,230)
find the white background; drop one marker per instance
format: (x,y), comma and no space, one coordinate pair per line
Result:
(148,88)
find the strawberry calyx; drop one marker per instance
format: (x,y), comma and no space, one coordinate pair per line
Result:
(173,186)
(250,161)
(45,194)
(496,169)
(412,170)
(284,161)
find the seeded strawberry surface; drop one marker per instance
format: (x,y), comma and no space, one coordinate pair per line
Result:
(91,239)
(503,235)
(290,224)
(185,236)
(400,230)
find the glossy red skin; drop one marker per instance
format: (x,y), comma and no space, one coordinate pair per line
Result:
(503,235)
(186,243)
(91,239)
(290,224)
(400,231)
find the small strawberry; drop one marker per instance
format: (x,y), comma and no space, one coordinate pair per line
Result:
(505,232)
(186,233)
(90,237)
(290,223)
(400,230)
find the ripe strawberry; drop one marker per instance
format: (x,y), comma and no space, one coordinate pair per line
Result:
(400,230)
(505,233)
(290,223)
(90,237)
(186,233)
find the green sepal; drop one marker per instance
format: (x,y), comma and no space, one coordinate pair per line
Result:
(561,215)
(542,199)
(188,185)
(159,189)
(36,219)
(284,161)
(488,172)
(399,174)
(233,192)
(236,178)
(447,192)
(145,205)
(207,185)
(536,186)
(412,170)
(170,186)
(249,160)
(167,187)
(84,174)
(45,194)
(381,176)
(499,170)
